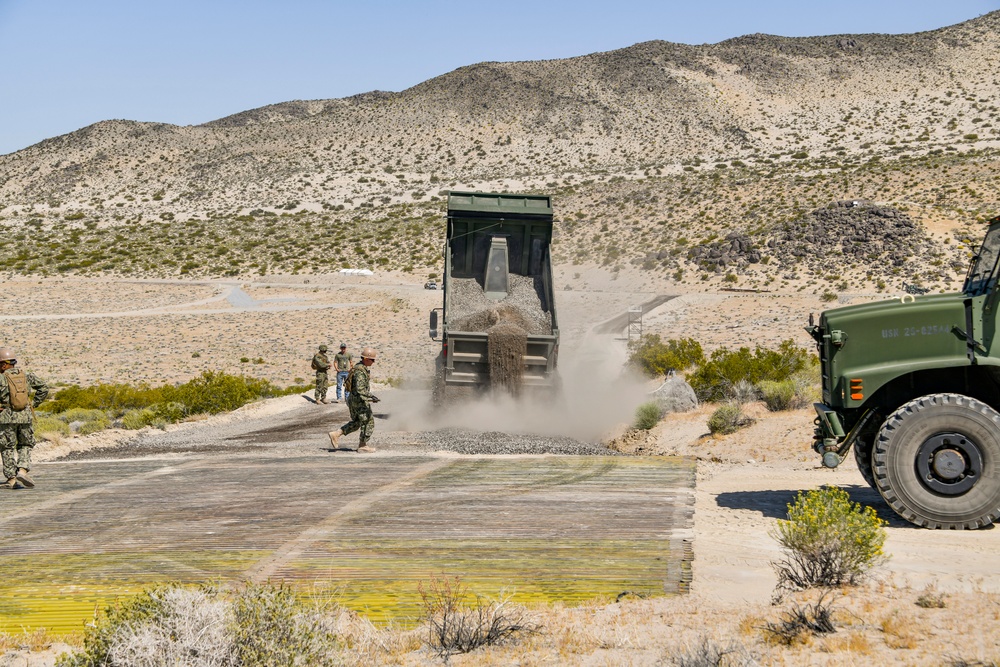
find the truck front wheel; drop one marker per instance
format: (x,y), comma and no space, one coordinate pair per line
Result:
(937,462)
(863,457)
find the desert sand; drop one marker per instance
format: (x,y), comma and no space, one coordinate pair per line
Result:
(149,331)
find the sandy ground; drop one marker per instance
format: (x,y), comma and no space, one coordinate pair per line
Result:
(745,480)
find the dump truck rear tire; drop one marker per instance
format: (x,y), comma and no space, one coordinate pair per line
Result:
(937,462)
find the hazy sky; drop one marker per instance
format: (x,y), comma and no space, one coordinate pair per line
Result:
(65,64)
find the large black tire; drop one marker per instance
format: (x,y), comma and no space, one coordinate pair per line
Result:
(937,462)
(863,457)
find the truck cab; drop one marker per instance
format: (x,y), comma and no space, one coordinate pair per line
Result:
(913,385)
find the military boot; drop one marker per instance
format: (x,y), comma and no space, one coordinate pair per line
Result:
(365,448)
(9,484)
(23,478)
(335,438)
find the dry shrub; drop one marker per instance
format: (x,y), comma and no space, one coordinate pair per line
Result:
(258,626)
(749,625)
(368,644)
(899,632)
(460,622)
(799,625)
(706,653)
(854,642)
(931,598)
(743,392)
(33,640)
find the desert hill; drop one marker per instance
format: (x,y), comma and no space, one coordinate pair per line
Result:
(652,150)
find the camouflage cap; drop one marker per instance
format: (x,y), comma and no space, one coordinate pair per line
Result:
(322,348)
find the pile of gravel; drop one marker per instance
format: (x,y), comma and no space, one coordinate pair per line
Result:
(494,442)
(524,305)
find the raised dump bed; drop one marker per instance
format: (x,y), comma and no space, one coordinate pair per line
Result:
(497,324)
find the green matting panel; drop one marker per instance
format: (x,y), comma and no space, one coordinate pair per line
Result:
(370,528)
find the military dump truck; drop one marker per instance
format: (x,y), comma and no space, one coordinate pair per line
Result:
(913,385)
(497,325)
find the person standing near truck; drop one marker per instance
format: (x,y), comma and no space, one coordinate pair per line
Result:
(359,402)
(17,407)
(321,364)
(342,366)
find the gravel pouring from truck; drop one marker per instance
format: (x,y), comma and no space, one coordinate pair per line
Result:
(913,385)
(497,323)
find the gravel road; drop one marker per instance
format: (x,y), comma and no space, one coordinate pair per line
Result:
(303,426)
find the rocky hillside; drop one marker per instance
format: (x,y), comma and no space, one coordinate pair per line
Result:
(653,150)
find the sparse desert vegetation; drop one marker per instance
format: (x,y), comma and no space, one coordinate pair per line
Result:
(758,179)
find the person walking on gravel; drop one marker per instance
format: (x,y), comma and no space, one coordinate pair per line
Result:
(17,407)
(321,364)
(342,365)
(359,401)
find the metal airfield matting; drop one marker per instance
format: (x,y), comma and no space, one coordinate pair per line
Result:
(365,528)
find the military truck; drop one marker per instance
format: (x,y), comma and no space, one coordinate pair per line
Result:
(913,385)
(497,270)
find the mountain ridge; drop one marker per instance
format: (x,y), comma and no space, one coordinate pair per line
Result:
(757,104)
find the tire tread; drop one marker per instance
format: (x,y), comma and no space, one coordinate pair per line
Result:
(881,448)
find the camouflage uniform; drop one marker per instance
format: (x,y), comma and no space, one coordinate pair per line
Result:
(360,404)
(342,364)
(321,363)
(17,436)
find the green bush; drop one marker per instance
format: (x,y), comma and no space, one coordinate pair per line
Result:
(94,425)
(210,393)
(45,424)
(648,415)
(81,415)
(778,395)
(655,357)
(728,418)
(828,540)
(714,379)
(271,626)
(798,391)
(170,412)
(136,419)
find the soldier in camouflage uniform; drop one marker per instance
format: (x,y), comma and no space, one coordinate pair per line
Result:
(17,436)
(360,404)
(321,364)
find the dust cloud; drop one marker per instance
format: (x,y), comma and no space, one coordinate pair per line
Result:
(596,397)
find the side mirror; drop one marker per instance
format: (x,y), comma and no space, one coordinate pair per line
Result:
(434,325)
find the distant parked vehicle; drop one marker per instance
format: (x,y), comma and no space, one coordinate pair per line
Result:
(430,285)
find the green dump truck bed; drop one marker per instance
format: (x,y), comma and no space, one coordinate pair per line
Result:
(497,270)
